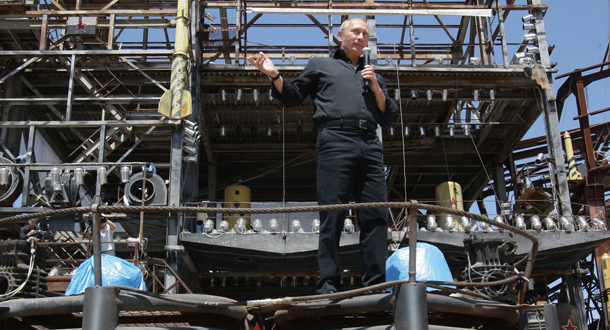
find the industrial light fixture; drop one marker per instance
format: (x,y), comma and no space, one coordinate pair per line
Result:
(348,225)
(102,174)
(422,132)
(208,226)
(520,222)
(583,224)
(532,50)
(529,36)
(499,219)
(466,130)
(598,224)
(437,131)
(315,225)
(444,94)
(475,61)
(431,223)
(223,95)
(449,223)
(238,94)
(529,26)
(257,225)
(273,224)
(429,95)
(125,173)
(389,59)
(397,94)
(255,95)
(492,95)
(485,226)
(224,226)
(465,223)
(391,131)
(413,94)
(209,16)
(269,131)
(79,176)
(270,95)
(4,176)
(240,225)
(451,132)
(188,140)
(191,133)
(550,224)
(407,131)
(296,225)
(535,222)
(528,18)
(188,149)
(223,132)
(292,59)
(566,224)
(475,95)
(56,175)
(540,158)
(191,125)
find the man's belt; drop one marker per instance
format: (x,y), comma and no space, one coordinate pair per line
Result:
(352,123)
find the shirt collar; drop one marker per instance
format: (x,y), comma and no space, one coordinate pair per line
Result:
(340,55)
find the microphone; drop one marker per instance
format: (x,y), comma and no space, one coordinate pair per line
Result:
(366,53)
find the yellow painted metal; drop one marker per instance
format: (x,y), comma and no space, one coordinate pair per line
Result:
(573,174)
(449,194)
(237,196)
(176,102)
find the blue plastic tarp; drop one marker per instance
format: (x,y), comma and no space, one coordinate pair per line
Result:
(115,271)
(430,264)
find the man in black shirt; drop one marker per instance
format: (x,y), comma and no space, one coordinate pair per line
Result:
(350,153)
(30,229)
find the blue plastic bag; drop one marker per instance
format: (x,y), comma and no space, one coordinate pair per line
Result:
(115,271)
(430,265)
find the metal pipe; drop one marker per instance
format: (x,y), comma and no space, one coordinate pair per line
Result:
(472,307)
(124,302)
(372,12)
(410,310)
(96,318)
(97,249)
(360,304)
(376,327)
(413,243)
(381,302)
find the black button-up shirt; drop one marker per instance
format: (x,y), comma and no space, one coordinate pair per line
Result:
(337,91)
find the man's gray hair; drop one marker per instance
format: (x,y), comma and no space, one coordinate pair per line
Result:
(344,24)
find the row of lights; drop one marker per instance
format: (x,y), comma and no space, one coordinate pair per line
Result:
(407,131)
(413,94)
(431,225)
(257,226)
(190,141)
(79,175)
(444,94)
(254,131)
(535,223)
(528,57)
(239,94)
(421,131)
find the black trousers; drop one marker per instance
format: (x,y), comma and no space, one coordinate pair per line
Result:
(350,161)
